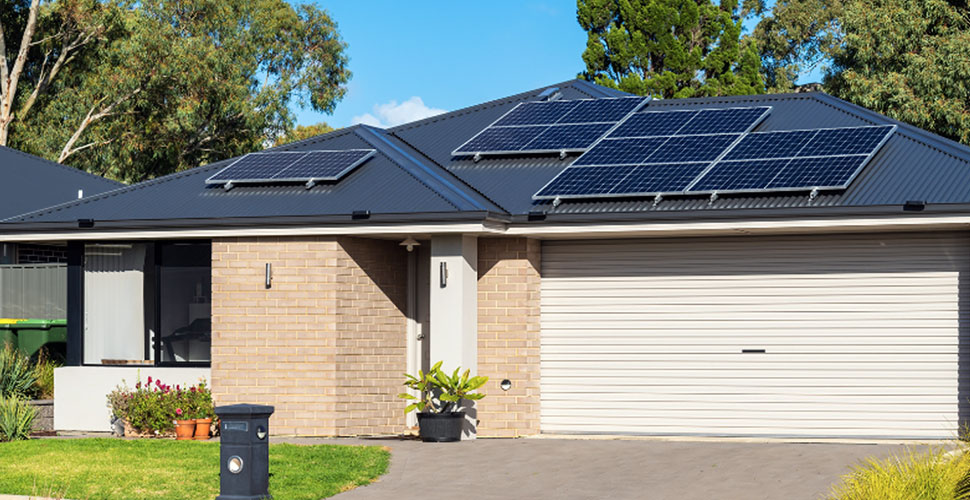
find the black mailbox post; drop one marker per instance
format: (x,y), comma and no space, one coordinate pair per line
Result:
(244,452)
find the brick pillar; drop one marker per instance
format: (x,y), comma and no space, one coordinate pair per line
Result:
(508,335)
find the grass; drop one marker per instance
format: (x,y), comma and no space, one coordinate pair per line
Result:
(105,468)
(932,475)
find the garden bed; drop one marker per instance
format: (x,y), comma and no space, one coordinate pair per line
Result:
(110,469)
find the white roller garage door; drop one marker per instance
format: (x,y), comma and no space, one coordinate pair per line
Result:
(860,336)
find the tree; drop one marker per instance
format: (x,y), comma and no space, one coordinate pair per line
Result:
(907,59)
(301,132)
(162,86)
(669,48)
(796,37)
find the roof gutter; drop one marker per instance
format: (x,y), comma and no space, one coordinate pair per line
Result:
(362,224)
(692,223)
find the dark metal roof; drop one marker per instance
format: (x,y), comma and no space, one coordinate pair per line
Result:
(31,183)
(913,165)
(392,181)
(415,173)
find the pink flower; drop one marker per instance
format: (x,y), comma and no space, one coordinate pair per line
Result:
(178,411)
(149,381)
(138,385)
(192,389)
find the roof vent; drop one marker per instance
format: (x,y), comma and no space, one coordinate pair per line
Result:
(914,205)
(550,94)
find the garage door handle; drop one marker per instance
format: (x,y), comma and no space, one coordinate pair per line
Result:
(752,351)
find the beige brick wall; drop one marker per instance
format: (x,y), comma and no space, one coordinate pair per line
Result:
(508,335)
(325,344)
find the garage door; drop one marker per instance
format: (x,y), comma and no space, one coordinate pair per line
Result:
(839,336)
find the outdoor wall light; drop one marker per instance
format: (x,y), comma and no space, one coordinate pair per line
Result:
(235,464)
(269,275)
(443,274)
(506,384)
(410,243)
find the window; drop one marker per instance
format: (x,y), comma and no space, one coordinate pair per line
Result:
(147,303)
(184,295)
(114,307)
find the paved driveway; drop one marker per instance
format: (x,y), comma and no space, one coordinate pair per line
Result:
(610,469)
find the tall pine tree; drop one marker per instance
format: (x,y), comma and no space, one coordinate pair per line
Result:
(669,48)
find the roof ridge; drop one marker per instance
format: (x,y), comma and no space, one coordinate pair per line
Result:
(61,165)
(450,173)
(458,197)
(484,105)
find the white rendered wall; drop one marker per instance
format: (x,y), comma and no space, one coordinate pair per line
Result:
(454,307)
(80,392)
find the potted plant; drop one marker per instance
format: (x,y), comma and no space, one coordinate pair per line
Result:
(202,410)
(440,415)
(184,429)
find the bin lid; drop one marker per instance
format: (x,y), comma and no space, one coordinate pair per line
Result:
(244,410)
(22,323)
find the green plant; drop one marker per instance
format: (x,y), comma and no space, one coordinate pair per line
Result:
(441,393)
(16,419)
(153,407)
(44,371)
(932,475)
(17,376)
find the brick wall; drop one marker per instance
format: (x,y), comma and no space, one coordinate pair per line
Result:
(41,254)
(325,344)
(508,335)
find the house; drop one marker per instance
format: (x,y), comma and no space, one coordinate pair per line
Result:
(818,290)
(32,183)
(33,276)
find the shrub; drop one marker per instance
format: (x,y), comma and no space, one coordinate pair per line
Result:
(44,371)
(17,376)
(933,475)
(16,419)
(153,407)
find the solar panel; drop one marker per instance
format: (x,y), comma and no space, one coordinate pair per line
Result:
(664,157)
(794,160)
(322,165)
(725,121)
(550,127)
(653,123)
(291,166)
(723,162)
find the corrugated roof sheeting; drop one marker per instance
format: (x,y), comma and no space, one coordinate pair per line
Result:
(31,183)
(906,168)
(379,185)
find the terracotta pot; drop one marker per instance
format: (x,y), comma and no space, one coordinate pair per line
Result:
(184,429)
(202,428)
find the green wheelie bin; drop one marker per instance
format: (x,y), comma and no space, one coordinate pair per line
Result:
(30,335)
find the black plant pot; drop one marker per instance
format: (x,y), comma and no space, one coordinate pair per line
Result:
(440,427)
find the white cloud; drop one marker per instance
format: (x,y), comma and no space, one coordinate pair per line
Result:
(393,113)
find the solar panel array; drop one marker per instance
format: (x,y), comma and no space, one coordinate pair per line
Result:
(714,151)
(551,126)
(654,152)
(291,166)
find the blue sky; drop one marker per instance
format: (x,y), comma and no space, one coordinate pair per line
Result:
(414,59)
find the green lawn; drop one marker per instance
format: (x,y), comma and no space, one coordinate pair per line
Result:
(105,468)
